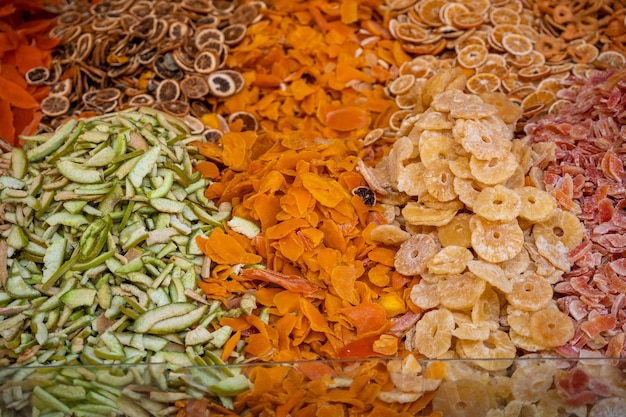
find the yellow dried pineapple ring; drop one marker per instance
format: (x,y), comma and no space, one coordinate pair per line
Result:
(530,292)
(551,328)
(433,333)
(424,295)
(562,227)
(467,190)
(409,180)
(460,291)
(439,181)
(420,215)
(414,253)
(451,99)
(487,308)
(496,241)
(493,171)
(491,273)
(537,205)
(485,139)
(497,203)
(436,148)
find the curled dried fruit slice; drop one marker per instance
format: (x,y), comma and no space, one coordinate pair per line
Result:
(424,295)
(530,292)
(37,75)
(460,291)
(551,328)
(487,308)
(194,87)
(221,85)
(168,90)
(497,346)
(457,232)
(437,148)
(428,11)
(433,333)
(414,253)
(421,215)
(451,259)
(562,227)
(493,171)
(249,121)
(55,105)
(496,241)
(409,179)
(531,381)
(389,234)
(439,181)
(497,203)
(491,273)
(141,100)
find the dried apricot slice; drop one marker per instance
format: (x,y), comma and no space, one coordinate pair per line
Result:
(414,253)
(551,328)
(496,241)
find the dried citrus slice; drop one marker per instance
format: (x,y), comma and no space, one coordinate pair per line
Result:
(410,32)
(583,53)
(63,88)
(221,85)
(517,44)
(496,241)
(428,11)
(483,82)
(55,105)
(402,84)
(538,98)
(472,56)
(168,90)
(396,119)
(534,72)
(249,121)
(37,75)
(501,15)
(246,13)
(233,34)
(497,33)
(610,59)
(551,328)
(497,70)
(203,36)
(476,6)
(194,87)
(467,20)
(206,62)
(141,100)
(176,108)
(450,10)
(237,78)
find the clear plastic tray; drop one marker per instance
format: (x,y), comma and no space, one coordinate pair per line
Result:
(594,387)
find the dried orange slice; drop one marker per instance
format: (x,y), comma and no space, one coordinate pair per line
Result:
(249,121)
(450,10)
(583,53)
(207,34)
(221,85)
(428,11)
(402,84)
(517,44)
(538,99)
(467,20)
(534,72)
(194,87)
(497,33)
(500,71)
(206,62)
(55,105)
(410,32)
(501,15)
(476,6)
(233,34)
(395,120)
(483,82)
(472,56)
(610,59)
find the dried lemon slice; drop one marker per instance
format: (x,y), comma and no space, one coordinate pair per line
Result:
(233,34)
(168,90)
(428,11)
(610,59)
(194,87)
(206,62)
(504,15)
(55,105)
(402,84)
(517,44)
(250,122)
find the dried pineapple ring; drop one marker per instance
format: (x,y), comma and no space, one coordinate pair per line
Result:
(457,232)
(461,291)
(496,241)
(491,273)
(460,167)
(551,328)
(420,215)
(433,120)
(517,265)
(388,234)
(439,181)
(450,260)
(436,148)
(414,254)
(467,190)
(556,253)
(508,111)
(530,292)
(537,205)
(487,308)
(497,346)
(485,139)
(497,203)
(451,99)
(424,295)
(473,110)
(524,342)
(462,398)
(608,407)
(467,330)
(531,381)
(433,333)
(493,171)
(410,180)
(562,227)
